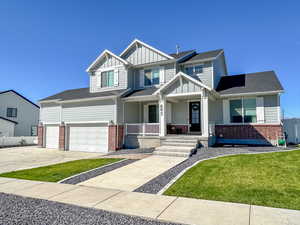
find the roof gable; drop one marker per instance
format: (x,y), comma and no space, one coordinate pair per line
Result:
(21,96)
(105,55)
(139,52)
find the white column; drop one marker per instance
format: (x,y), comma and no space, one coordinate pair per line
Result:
(162,116)
(204,105)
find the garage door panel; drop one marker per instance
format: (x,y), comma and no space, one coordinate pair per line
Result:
(88,138)
(52,137)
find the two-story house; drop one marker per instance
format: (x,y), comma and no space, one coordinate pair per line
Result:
(144,96)
(18,115)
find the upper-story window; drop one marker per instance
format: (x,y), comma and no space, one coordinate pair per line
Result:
(107,78)
(243,110)
(193,70)
(151,77)
(12,112)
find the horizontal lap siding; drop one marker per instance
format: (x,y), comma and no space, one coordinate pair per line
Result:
(215,111)
(187,87)
(90,111)
(271,105)
(50,113)
(180,112)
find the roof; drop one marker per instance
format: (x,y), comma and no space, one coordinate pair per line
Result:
(3,118)
(26,99)
(181,54)
(249,83)
(82,93)
(142,92)
(204,56)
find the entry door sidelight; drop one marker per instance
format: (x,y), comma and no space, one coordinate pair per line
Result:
(195,117)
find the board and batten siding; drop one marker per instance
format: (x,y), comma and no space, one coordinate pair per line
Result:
(187,87)
(180,112)
(206,76)
(103,110)
(140,54)
(109,63)
(50,113)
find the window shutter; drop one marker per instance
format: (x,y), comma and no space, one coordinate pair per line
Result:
(142,74)
(116,77)
(146,114)
(226,113)
(162,75)
(260,110)
(98,79)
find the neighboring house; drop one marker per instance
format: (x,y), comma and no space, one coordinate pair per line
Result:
(292,130)
(18,115)
(143,95)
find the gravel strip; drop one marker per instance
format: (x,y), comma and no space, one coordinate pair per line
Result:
(29,211)
(132,151)
(96,172)
(159,182)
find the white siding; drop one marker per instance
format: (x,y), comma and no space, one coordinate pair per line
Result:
(140,55)
(180,112)
(219,70)
(272,108)
(89,111)
(215,111)
(187,87)
(27,115)
(50,113)
(7,128)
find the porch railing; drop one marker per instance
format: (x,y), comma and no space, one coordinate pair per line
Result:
(144,129)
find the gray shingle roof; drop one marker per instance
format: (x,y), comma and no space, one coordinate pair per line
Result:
(249,83)
(181,54)
(82,93)
(204,56)
(142,92)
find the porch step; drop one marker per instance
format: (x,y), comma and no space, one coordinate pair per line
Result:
(183,149)
(175,154)
(179,143)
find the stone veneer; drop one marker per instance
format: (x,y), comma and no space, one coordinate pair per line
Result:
(40,135)
(115,137)
(62,136)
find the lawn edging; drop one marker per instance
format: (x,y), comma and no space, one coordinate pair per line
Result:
(167,186)
(75,175)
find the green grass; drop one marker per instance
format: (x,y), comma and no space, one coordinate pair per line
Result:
(57,172)
(271,179)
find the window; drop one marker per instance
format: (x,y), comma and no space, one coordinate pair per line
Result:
(107,79)
(151,77)
(243,110)
(153,113)
(33,131)
(11,112)
(194,70)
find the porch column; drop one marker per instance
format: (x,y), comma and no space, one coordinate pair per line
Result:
(162,115)
(204,105)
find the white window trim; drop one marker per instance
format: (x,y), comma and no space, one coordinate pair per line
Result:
(243,123)
(194,65)
(113,85)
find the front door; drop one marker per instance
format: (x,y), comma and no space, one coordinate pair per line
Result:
(194,117)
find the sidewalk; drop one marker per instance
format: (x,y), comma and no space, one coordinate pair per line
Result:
(165,208)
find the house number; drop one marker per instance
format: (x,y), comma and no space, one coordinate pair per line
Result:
(161,109)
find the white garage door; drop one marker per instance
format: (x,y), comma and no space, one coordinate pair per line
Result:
(52,136)
(88,138)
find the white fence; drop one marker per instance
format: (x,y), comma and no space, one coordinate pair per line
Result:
(142,128)
(17,141)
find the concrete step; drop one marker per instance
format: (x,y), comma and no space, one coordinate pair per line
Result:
(187,144)
(177,140)
(175,154)
(184,149)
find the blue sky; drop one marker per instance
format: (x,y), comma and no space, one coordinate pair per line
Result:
(45,46)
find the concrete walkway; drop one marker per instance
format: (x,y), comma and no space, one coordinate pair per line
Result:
(166,208)
(134,175)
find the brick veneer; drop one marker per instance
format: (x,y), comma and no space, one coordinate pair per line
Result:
(115,139)
(62,130)
(184,129)
(258,131)
(40,135)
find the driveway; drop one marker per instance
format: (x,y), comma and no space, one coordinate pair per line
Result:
(12,159)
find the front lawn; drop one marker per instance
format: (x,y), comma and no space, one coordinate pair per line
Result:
(57,172)
(271,179)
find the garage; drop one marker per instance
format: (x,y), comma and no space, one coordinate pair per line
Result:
(52,136)
(88,138)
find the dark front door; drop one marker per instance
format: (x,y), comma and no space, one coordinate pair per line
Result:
(195,117)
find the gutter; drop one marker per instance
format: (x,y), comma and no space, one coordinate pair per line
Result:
(252,93)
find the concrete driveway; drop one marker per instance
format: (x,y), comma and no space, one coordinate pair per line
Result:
(12,159)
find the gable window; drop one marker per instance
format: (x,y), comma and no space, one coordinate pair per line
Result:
(151,77)
(11,112)
(243,110)
(153,114)
(194,70)
(107,78)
